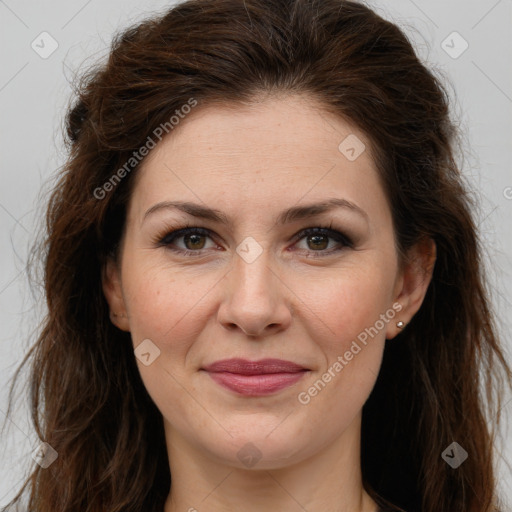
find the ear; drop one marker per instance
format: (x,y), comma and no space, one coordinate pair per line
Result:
(112,289)
(412,283)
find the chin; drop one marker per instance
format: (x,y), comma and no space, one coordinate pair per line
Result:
(263,450)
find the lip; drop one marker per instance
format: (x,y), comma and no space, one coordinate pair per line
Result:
(255,378)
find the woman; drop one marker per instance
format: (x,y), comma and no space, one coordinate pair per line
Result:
(263,277)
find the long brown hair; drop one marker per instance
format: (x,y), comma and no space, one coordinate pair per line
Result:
(442,377)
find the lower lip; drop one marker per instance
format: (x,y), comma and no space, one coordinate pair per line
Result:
(256,385)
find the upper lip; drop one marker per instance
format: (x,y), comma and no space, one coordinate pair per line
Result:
(263,366)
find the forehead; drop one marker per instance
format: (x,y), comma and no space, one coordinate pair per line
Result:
(268,155)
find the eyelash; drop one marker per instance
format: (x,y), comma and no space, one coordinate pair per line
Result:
(176,233)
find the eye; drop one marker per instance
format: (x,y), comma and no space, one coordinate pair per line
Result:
(319,239)
(188,240)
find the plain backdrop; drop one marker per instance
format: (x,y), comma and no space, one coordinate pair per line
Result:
(467,41)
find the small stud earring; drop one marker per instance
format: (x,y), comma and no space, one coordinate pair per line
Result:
(400,324)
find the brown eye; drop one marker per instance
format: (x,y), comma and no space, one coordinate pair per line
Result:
(194,241)
(323,241)
(318,242)
(187,240)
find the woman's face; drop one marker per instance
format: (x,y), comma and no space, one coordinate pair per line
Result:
(252,283)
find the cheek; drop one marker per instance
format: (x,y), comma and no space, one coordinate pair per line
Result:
(349,302)
(168,309)
(352,314)
(166,305)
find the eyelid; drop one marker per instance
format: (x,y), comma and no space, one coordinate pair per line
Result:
(182,230)
(327,231)
(343,242)
(330,232)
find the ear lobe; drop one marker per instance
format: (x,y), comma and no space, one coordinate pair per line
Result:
(414,281)
(112,289)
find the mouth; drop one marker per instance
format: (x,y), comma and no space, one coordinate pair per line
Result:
(255,378)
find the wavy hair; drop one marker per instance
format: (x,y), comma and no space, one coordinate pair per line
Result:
(442,378)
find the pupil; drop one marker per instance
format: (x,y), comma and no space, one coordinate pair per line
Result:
(317,241)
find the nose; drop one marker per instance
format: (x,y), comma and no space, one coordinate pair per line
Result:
(255,298)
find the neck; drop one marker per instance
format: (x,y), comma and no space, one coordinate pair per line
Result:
(328,481)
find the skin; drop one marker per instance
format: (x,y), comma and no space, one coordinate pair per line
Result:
(251,163)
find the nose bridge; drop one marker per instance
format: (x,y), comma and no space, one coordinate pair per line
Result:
(254,299)
(253,277)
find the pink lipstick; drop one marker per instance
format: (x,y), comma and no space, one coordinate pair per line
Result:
(255,378)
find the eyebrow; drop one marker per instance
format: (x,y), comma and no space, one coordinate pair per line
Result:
(287,216)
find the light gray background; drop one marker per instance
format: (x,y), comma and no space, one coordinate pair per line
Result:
(34,93)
